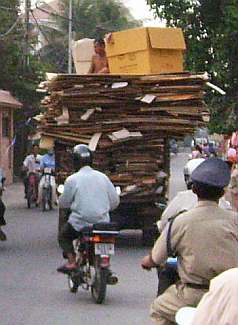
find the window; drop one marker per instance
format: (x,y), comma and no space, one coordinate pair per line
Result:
(6,127)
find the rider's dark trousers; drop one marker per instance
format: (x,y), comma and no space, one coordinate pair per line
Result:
(2,211)
(66,237)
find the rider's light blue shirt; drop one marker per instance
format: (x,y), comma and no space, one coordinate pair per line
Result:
(90,195)
(47,161)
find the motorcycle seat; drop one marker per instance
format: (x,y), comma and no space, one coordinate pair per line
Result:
(101,226)
(106,226)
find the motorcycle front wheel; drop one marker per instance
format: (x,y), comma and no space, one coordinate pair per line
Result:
(99,285)
(44,200)
(29,200)
(73,285)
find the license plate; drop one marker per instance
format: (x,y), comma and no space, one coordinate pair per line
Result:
(104,249)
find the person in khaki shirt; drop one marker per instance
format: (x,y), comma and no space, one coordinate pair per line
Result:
(205,240)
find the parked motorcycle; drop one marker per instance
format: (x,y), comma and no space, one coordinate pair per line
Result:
(94,249)
(47,190)
(32,189)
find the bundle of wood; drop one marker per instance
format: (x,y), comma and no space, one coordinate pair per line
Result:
(126,121)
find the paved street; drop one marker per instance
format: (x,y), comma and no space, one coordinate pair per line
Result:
(31,291)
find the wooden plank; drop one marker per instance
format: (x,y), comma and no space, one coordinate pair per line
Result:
(94,141)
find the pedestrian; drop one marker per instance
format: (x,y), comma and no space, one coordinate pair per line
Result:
(3,236)
(204,239)
(205,150)
(233,187)
(232,154)
(197,152)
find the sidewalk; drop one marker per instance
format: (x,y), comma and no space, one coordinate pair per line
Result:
(13,196)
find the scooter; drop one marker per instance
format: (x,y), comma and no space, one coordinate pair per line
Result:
(94,248)
(167,275)
(47,190)
(32,189)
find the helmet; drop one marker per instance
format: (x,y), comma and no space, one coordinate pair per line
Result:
(82,156)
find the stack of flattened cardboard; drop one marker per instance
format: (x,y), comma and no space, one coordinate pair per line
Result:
(127,121)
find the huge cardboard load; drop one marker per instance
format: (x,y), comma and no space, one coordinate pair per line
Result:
(126,121)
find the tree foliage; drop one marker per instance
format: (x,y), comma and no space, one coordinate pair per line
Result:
(211,32)
(91,18)
(21,80)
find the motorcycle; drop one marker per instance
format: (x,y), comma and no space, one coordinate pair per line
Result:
(94,249)
(47,189)
(167,275)
(32,189)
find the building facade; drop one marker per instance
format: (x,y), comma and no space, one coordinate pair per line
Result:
(7,105)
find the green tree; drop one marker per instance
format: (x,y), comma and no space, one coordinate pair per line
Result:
(211,31)
(21,80)
(91,18)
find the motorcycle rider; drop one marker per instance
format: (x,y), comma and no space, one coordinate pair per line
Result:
(3,236)
(31,164)
(90,196)
(48,161)
(205,240)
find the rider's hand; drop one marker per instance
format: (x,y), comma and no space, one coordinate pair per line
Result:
(147,263)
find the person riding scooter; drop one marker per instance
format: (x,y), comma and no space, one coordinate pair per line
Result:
(31,164)
(204,240)
(90,196)
(48,163)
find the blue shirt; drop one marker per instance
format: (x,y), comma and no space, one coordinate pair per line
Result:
(90,195)
(47,161)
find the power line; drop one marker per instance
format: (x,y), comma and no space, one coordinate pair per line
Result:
(46,37)
(51,13)
(8,9)
(27,32)
(10,29)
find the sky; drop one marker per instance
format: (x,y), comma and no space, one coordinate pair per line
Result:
(139,9)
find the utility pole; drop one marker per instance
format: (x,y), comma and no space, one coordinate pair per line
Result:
(27,31)
(70,38)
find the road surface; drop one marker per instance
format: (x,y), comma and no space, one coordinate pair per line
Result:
(31,291)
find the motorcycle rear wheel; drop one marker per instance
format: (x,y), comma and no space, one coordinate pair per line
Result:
(99,286)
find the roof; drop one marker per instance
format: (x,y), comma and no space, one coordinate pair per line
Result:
(45,10)
(7,100)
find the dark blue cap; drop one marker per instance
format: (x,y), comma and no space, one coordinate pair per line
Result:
(213,171)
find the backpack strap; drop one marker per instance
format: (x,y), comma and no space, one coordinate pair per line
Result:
(170,251)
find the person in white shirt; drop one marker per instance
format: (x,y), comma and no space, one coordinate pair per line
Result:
(90,195)
(31,164)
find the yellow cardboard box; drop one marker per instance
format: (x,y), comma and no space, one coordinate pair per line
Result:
(146,51)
